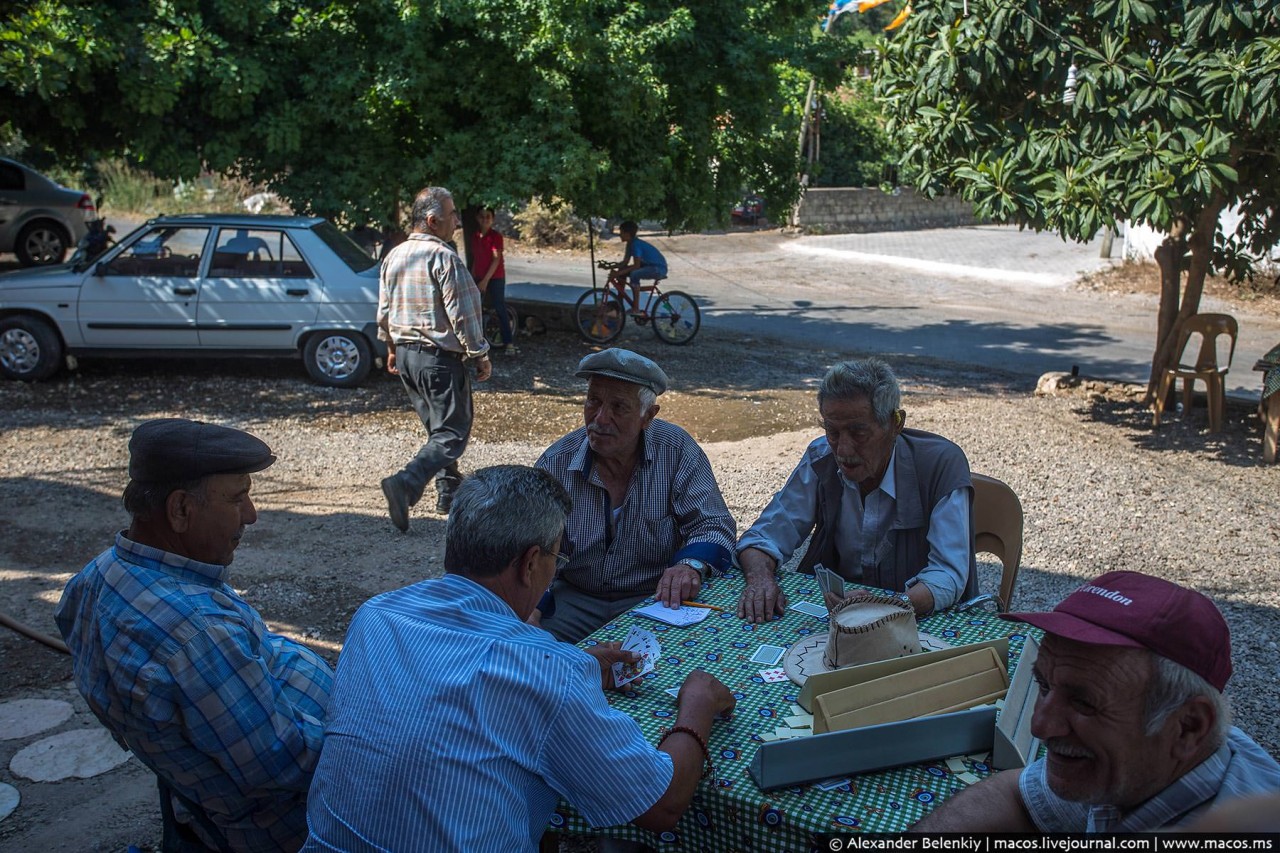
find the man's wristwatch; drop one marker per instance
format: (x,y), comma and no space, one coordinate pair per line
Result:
(702,568)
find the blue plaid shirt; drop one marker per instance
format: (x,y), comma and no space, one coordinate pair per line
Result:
(673,511)
(184,673)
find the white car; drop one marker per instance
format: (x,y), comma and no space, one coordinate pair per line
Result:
(201,284)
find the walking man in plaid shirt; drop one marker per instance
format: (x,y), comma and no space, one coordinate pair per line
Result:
(429,315)
(180,668)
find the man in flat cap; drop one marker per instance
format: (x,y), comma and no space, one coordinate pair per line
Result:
(648,518)
(1132,714)
(180,669)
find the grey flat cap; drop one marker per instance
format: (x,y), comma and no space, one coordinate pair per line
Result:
(626,365)
(171,449)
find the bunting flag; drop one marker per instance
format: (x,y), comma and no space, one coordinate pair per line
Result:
(838,7)
(901,19)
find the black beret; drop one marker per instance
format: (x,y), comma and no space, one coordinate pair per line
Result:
(172,449)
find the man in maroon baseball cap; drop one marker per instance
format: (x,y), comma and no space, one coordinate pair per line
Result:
(1131,712)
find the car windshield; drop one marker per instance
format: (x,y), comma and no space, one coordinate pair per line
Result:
(344,247)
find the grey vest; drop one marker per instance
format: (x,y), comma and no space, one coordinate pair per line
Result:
(927,468)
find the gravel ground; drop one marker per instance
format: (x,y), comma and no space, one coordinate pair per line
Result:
(1100,489)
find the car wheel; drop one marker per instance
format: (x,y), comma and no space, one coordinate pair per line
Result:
(340,359)
(30,349)
(40,244)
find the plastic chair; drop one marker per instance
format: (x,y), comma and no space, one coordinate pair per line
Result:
(1205,368)
(997,526)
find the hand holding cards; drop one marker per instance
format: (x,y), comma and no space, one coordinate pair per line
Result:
(644,644)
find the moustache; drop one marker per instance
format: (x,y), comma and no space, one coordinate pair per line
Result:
(850,461)
(592,429)
(1067,749)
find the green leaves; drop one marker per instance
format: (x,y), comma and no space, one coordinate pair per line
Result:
(1175,108)
(653,109)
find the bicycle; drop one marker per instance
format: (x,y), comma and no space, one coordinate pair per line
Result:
(493,329)
(600,315)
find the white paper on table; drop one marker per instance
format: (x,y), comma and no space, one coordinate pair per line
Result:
(680,618)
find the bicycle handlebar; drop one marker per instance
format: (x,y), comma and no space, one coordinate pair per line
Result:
(609,265)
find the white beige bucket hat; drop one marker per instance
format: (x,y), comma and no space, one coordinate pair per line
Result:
(863,630)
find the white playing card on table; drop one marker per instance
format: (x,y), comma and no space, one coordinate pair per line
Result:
(810,609)
(773,676)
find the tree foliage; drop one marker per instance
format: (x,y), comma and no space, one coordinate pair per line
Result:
(1175,117)
(656,109)
(856,149)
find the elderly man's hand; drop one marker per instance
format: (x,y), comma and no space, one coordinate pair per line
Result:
(762,599)
(607,654)
(679,583)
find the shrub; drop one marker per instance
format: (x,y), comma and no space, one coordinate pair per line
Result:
(551,225)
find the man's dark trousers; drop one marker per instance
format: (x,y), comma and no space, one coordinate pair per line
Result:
(440,389)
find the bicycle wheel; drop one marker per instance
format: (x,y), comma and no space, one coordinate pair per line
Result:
(676,318)
(599,316)
(492,329)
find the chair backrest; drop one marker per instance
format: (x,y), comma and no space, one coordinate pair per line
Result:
(997,525)
(1209,327)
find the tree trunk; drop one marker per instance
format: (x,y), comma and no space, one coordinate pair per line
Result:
(1173,308)
(1169,258)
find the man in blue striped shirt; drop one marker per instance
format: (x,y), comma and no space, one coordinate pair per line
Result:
(648,518)
(456,725)
(179,668)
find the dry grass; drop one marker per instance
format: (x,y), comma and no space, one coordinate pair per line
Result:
(1259,296)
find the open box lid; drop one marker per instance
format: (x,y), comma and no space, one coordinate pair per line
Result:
(798,761)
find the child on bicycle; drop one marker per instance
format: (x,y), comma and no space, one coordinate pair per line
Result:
(642,260)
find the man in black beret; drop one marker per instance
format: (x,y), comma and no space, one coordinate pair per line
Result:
(180,668)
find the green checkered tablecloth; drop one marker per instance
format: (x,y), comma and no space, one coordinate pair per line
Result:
(731,813)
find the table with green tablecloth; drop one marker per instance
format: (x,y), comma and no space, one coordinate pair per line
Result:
(731,812)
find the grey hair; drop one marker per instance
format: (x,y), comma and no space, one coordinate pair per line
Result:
(497,513)
(1172,685)
(429,202)
(865,377)
(144,501)
(647,398)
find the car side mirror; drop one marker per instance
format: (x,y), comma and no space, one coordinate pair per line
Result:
(100,269)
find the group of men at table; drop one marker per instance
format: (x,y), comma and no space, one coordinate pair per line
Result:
(462,711)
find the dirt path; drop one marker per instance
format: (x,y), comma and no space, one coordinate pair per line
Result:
(1100,489)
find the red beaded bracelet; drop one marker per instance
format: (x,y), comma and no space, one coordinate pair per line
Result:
(706,753)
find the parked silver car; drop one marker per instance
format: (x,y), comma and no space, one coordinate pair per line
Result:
(39,220)
(203,284)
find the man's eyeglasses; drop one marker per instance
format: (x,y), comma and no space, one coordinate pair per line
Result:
(566,551)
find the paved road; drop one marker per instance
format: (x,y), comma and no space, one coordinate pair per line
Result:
(989,295)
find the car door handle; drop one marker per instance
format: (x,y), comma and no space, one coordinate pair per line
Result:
(184,291)
(297,291)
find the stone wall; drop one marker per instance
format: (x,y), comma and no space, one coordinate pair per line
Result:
(841,210)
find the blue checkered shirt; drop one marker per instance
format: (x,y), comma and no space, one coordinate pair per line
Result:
(673,510)
(186,675)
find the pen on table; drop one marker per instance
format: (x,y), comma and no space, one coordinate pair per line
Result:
(700,604)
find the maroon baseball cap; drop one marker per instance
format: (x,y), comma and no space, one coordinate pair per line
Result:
(1142,612)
